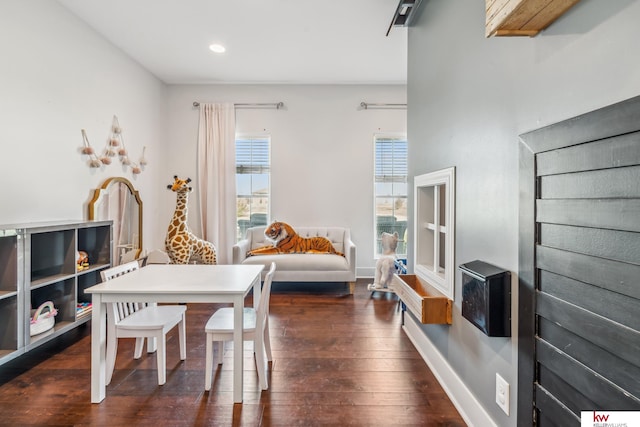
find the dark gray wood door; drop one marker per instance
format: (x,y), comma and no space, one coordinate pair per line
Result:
(579,267)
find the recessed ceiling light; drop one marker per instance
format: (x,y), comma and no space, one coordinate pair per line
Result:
(217,48)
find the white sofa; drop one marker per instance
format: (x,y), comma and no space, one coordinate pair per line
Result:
(304,267)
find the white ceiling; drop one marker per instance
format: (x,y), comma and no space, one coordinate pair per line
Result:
(267,41)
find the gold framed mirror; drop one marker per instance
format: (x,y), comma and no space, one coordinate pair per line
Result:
(119,201)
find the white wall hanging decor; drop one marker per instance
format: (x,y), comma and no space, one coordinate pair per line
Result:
(115,147)
(94,161)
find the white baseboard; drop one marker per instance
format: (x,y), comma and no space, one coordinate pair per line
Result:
(365,272)
(472,412)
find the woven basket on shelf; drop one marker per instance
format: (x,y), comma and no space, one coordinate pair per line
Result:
(42,320)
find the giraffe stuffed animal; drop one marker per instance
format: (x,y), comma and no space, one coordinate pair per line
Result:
(181,244)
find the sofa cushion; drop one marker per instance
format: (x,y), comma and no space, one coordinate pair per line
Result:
(301,262)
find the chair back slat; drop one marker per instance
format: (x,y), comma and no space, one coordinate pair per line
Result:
(262,311)
(122,309)
(119,270)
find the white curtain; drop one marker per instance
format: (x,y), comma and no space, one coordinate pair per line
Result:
(217,177)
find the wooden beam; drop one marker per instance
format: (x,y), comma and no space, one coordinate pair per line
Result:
(522,17)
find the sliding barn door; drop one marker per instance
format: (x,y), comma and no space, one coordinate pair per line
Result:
(579,267)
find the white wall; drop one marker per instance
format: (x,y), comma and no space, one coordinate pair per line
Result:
(469,99)
(322,150)
(57,77)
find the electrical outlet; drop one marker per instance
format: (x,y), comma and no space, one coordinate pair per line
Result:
(502,393)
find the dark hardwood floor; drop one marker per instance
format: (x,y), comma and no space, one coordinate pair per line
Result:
(337,360)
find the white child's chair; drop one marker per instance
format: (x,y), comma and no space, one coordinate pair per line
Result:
(219,328)
(140,321)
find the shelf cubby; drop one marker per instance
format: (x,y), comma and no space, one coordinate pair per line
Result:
(8,265)
(53,255)
(85,281)
(62,295)
(96,242)
(8,325)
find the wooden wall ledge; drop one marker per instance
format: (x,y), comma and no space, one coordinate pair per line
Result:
(422,299)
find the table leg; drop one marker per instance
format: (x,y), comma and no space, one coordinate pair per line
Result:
(98,348)
(257,291)
(238,348)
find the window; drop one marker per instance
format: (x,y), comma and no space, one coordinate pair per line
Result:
(390,183)
(253,164)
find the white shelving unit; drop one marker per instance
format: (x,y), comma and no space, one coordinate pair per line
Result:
(38,264)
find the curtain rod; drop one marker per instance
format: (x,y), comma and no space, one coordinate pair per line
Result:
(276,105)
(366,106)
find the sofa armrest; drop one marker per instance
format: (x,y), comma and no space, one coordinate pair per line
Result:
(240,250)
(350,255)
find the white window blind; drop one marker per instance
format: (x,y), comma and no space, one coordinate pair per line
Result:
(252,156)
(391,160)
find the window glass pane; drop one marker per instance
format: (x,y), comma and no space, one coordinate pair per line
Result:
(252,182)
(400,189)
(243,184)
(400,208)
(390,186)
(259,205)
(383,189)
(243,208)
(384,207)
(260,183)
